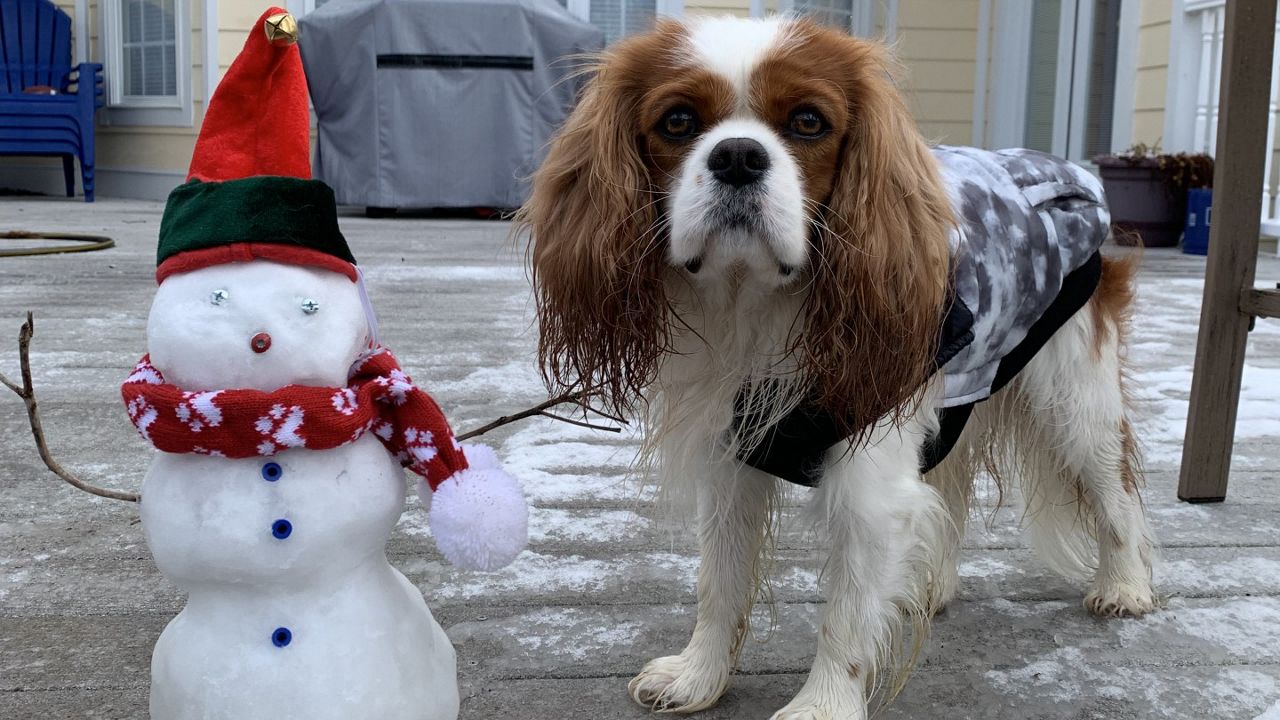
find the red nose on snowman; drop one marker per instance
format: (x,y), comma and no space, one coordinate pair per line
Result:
(249,200)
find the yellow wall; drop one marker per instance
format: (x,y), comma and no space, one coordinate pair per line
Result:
(938,43)
(1153,71)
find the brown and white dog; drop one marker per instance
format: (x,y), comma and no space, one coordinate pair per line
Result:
(743,211)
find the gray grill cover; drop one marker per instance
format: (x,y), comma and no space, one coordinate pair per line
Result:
(438,103)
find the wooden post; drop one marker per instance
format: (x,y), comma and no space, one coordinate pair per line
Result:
(1233,249)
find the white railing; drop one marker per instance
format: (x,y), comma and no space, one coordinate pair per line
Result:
(1208,18)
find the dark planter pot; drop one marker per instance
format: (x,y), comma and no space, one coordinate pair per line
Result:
(1141,202)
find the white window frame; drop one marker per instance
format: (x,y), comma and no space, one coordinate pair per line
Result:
(580,9)
(173,111)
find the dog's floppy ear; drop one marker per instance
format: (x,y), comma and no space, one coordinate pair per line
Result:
(597,253)
(880,279)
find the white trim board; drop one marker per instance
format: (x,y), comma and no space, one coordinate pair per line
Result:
(108,183)
(209,41)
(1181,88)
(81,31)
(1008,95)
(982,70)
(580,9)
(673,8)
(1126,85)
(890,24)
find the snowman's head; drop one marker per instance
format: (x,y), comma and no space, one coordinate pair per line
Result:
(257,324)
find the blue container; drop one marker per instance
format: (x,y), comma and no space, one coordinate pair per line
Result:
(1195,240)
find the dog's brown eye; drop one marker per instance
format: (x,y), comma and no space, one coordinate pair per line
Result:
(679,124)
(807,124)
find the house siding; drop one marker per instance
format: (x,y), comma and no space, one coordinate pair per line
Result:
(937,43)
(1150,85)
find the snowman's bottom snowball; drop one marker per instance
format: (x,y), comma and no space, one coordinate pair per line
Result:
(362,645)
(478,517)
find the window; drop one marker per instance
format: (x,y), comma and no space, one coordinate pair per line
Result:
(864,18)
(838,13)
(1042,75)
(148,62)
(1101,95)
(149,44)
(619,18)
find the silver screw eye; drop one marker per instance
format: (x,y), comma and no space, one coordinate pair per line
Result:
(219,297)
(310,306)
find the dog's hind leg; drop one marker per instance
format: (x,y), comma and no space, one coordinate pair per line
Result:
(885,527)
(953,478)
(1073,392)
(734,506)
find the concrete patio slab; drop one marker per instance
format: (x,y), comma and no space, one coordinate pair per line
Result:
(605,585)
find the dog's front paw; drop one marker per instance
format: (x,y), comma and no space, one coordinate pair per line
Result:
(803,710)
(1120,599)
(677,683)
(828,694)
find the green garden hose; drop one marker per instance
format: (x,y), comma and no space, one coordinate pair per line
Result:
(79,243)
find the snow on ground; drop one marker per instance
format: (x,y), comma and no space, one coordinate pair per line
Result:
(605,586)
(1272,713)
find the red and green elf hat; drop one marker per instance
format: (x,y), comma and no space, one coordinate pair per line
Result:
(249,194)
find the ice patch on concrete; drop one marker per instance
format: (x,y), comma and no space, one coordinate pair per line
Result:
(534,573)
(1243,626)
(1026,610)
(557,462)
(447,273)
(570,631)
(600,526)
(1271,713)
(987,566)
(1058,676)
(1065,675)
(517,380)
(1164,396)
(531,572)
(1221,575)
(1238,692)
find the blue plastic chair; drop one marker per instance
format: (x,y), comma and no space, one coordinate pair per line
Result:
(35,49)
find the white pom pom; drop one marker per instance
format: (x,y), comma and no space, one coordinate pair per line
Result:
(479,518)
(480,456)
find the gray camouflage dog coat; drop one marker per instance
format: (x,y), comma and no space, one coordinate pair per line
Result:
(1025,258)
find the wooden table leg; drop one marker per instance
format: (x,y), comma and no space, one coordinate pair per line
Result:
(1233,249)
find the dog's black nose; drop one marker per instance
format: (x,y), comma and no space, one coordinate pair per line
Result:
(738,161)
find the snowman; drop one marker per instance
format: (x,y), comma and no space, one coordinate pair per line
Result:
(283,428)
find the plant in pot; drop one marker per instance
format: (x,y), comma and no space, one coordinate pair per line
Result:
(1147,191)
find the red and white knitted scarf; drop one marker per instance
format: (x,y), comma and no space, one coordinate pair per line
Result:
(379,398)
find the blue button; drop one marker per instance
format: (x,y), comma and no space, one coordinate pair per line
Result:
(272,472)
(281,636)
(281,529)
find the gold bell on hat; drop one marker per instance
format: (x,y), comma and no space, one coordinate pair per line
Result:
(281,29)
